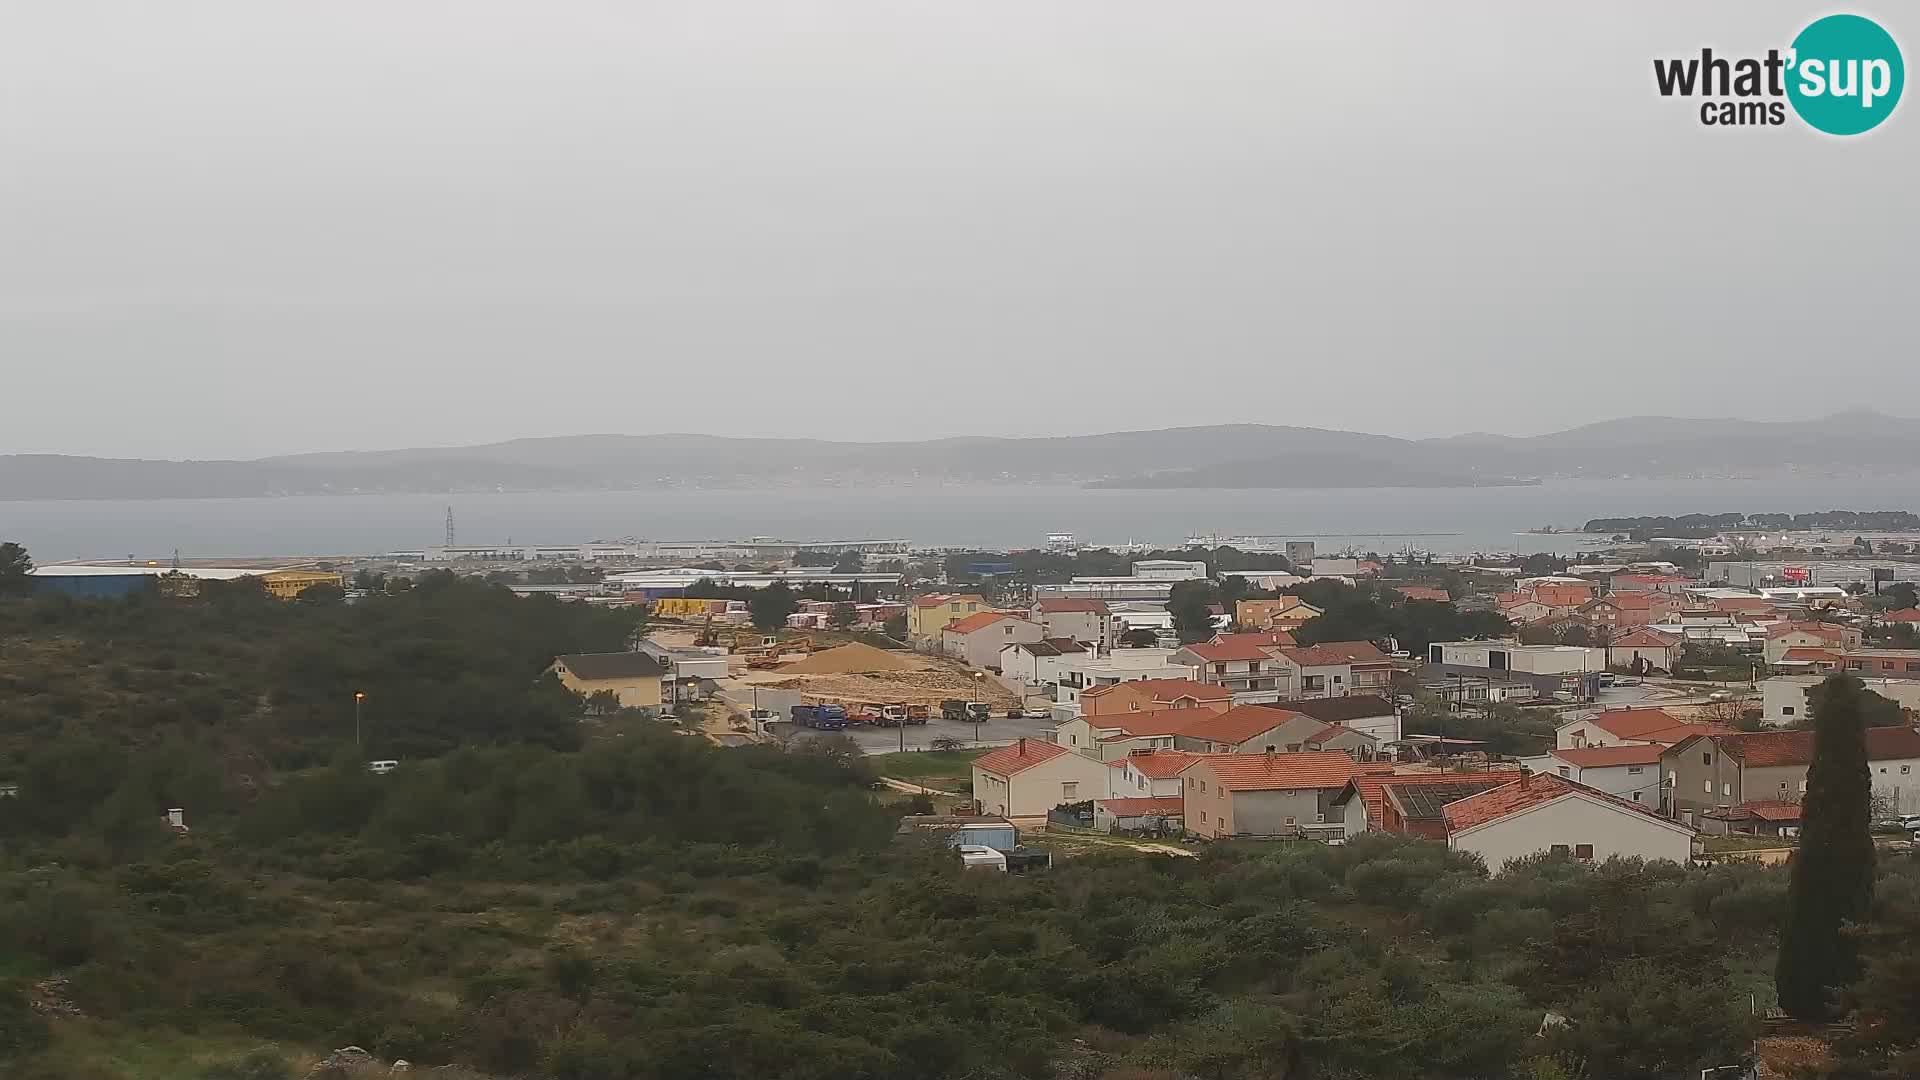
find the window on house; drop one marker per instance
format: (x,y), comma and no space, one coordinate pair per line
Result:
(1706,758)
(1270,748)
(1074,739)
(1706,786)
(1726,790)
(1559,849)
(1633,769)
(1905,769)
(1786,710)
(1583,851)
(1564,771)
(1219,793)
(1069,791)
(1289,821)
(1803,787)
(1636,796)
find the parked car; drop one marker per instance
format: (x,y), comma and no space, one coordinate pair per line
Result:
(382,768)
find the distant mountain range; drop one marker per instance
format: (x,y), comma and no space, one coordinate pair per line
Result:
(1224,456)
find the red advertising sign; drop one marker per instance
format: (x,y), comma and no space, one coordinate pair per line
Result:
(1795,573)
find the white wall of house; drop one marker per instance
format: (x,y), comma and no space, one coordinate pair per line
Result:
(1356,816)
(1661,657)
(1634,783)
(1384,728)
(1033,791)
(1086,627)
(1574,820)
(1532,659)
(1585,733)
(1896,785)
(1131,783)
(981,649)
(1783,698)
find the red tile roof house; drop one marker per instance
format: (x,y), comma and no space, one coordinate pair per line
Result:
(1901,615)
(1031,777)
(1711,771)
(1338,668)
(978,638)
(1248,665)
(1546,813)
(1147,773)
(1132,815)
(1643,650)
(1621,610)
(1614,727)
(1805,635)
(1803,660)
(1273,795)
(1762,818)
(1423,592)
(1143,695)
(1256,729)
(1409,804)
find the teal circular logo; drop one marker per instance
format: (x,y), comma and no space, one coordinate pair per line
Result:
(1846,74)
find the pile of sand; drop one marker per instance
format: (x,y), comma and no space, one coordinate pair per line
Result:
(850,659)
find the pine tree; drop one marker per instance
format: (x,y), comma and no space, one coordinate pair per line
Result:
(1832,881)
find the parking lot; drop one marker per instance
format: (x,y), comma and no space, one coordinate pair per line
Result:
(996,731)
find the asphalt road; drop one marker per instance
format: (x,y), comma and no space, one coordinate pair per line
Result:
(994,732)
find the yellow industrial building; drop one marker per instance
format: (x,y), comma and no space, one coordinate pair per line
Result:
(632,677)
(928,615)
(289,584)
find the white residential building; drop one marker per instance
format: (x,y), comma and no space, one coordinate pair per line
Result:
(1513,656)
(1783,698)
(1630,771)
(1544,812)
(1084,672)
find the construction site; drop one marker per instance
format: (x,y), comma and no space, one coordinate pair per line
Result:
(853,673)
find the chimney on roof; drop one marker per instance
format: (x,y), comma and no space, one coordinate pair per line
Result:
(1023,747)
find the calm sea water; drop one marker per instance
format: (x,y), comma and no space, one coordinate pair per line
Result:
(1446,519)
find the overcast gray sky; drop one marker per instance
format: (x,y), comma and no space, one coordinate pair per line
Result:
(243,227)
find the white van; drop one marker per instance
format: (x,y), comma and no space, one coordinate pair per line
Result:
(382,768)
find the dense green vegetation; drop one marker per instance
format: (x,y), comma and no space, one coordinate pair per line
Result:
(1696,525)
(1374,612)
(1832,882)
(655,907)
(270,684)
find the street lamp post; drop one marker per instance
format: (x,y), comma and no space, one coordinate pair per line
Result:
(358,697)
(979,680)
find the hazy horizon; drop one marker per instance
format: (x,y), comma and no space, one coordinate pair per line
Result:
(238,230)
(852,438)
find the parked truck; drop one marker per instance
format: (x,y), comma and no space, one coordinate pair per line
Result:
(820,717)
(918,714)
(965,711)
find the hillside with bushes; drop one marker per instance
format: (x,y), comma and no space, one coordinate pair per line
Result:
(655,907)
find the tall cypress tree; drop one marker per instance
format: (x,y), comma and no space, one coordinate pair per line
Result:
(1833,872)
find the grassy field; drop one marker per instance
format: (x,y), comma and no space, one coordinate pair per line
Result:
(948,769)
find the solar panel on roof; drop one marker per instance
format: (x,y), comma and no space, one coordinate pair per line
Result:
(1423,801)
